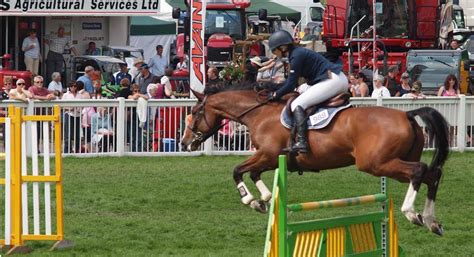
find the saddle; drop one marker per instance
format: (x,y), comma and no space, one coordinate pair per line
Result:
(320,115)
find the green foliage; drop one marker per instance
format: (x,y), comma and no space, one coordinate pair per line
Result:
(231,72)
(189,206)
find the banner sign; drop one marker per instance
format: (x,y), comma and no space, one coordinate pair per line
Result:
(198,64)
(78,7)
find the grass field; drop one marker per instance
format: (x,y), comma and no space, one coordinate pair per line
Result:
(189,206)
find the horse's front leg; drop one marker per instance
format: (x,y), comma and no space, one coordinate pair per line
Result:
(255,165)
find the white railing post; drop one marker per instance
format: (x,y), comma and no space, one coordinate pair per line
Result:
(461,136)
(121,138)
(208,146)
(30,110)
(379,101)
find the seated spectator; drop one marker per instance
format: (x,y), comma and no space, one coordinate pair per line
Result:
(307,35)
(122,74)
(165,81)
(405,87)
(91,49)
(102,130)
(415,91)
(7,86)
(450,87)
(19,93)
(182,64)
(39,92)
(56,86)
(358,88)
(379,89)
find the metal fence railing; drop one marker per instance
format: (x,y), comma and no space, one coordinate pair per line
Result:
(120,127)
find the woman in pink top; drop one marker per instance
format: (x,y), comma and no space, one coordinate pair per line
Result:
(450,87)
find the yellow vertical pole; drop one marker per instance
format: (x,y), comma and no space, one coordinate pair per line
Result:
(59,175)
(15,115)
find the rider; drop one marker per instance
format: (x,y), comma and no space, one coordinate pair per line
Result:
(324,79)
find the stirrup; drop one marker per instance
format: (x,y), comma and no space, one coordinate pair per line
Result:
(300,148)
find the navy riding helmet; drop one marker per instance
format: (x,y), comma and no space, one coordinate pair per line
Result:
(279,38)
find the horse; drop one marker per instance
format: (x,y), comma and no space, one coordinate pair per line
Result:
(379,141)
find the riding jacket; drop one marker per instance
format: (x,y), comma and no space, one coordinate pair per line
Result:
(307,64)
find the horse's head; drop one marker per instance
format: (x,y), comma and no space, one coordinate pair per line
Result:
(202,124)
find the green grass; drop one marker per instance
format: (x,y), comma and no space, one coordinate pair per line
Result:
(189,206)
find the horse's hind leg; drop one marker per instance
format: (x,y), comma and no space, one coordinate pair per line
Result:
(405,171)
(432,180)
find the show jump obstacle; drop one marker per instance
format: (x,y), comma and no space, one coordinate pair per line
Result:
(22,174)
(370,234)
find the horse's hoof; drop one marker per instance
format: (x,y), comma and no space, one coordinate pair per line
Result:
(260,206)
(437,228)
(418,220)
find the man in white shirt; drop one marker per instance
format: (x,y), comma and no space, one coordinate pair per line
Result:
(158,62)
(57,44)
(379,89)
(31,47)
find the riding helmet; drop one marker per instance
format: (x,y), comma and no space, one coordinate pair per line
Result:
(279,38)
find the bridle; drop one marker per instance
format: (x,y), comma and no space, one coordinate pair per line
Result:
(200,137)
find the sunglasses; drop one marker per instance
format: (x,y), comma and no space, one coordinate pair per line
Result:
(20,84)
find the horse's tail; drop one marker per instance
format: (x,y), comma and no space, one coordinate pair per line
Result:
(436,126)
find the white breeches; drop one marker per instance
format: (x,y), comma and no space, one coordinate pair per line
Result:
(321,91)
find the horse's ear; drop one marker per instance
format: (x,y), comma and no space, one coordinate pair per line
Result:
(198,95)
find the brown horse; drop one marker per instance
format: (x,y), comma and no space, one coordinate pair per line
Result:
(379,141)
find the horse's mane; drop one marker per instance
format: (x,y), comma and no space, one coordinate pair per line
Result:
(242,86)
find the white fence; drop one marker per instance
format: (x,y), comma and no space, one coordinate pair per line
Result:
(112,126)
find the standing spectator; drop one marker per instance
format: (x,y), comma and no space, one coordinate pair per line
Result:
(19,93)
(213,77)
(405,86)
(87,79)
(145,78)
(379,89)
(91,49)
(391,82)
(135,70)
(165,81)
(358,87)
(31,47)
(136,131)
(307,35)
(450,87)
(72,121)
(122,74)
(56,86)
(57,44)
(158,62)
(125,90)
(182,64)
(415,91)
(39,92)
(7,86)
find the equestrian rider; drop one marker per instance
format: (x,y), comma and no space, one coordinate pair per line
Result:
(325,80)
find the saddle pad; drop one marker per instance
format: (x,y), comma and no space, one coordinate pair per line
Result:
(317,120)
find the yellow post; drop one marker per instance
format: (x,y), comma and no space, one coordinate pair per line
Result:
(15,115)
(58,172)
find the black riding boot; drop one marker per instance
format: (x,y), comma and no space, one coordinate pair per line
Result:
(301,144)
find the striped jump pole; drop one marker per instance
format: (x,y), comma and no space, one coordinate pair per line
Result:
(33,188)
(367,234)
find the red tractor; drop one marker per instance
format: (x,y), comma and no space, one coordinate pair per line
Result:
(225,24)
(401,25)
(6,71)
